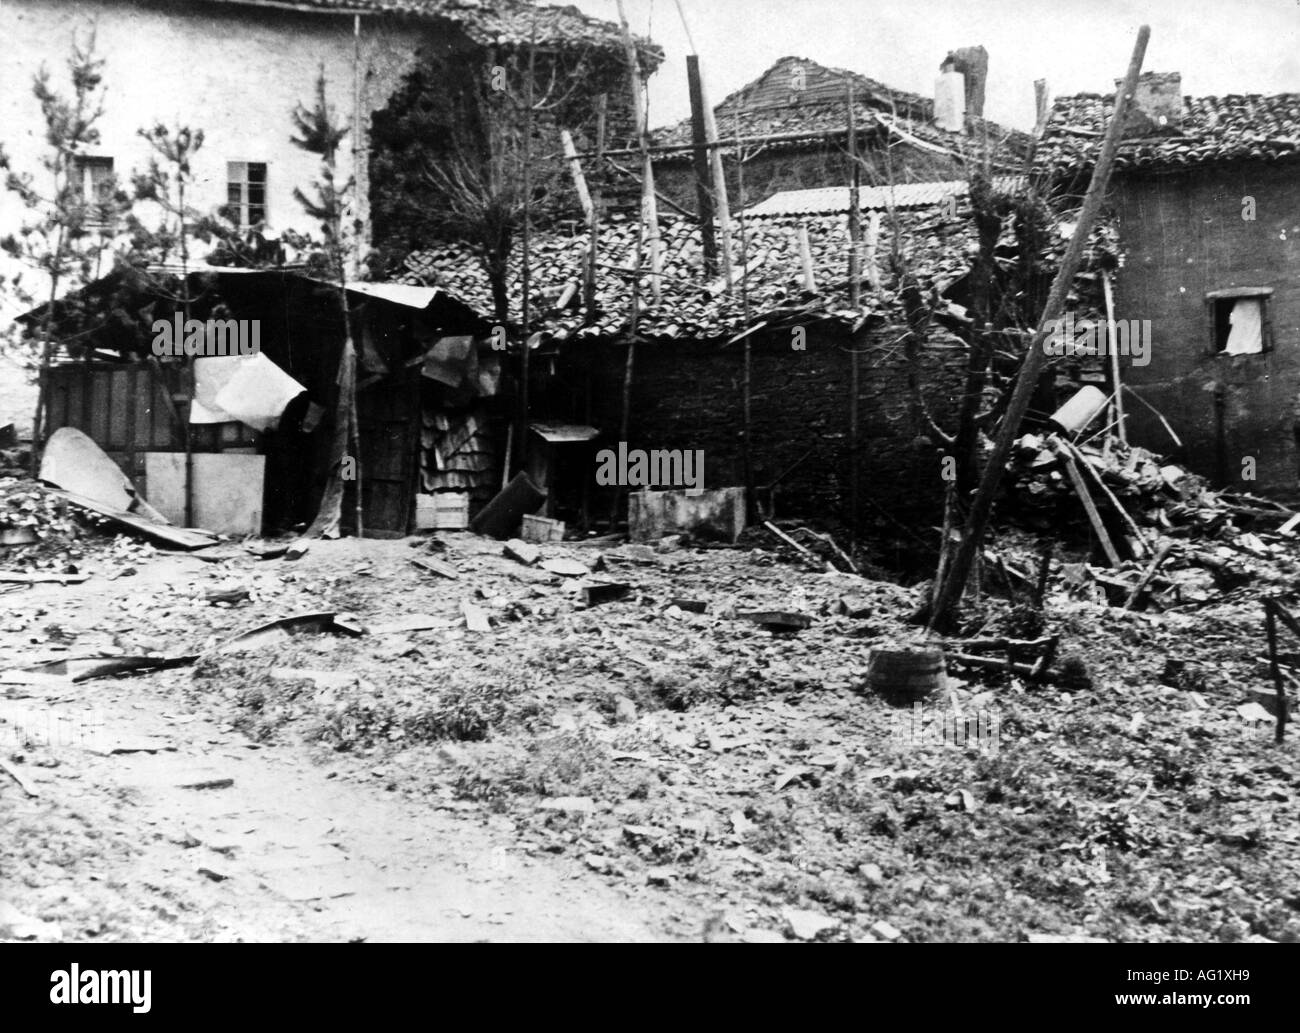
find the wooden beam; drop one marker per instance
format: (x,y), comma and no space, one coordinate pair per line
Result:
(575,167)
(1116,384)
(700,160)
(1026,383)
(1090,507)
(806,259)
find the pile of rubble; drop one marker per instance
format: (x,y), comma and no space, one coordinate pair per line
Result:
(1166,538)
(44,536)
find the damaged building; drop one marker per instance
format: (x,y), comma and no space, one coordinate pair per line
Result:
(1205,197)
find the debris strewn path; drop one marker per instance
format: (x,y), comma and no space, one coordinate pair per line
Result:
(265,845)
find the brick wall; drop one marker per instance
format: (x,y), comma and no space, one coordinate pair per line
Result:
(1184,236)
(687,395)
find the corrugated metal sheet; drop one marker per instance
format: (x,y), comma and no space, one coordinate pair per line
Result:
(396,293)
(834,200)
(563,433)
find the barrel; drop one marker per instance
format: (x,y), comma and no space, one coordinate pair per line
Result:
(905,675)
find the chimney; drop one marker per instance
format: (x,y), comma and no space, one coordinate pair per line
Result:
(950,98)
(973,63)
(1157,104)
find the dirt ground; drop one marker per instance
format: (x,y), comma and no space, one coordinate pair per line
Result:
(626,770)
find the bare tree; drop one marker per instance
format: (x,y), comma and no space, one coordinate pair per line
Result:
(334,207)
(69,226)
(499,172)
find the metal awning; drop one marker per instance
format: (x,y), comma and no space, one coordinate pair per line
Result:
(564,433)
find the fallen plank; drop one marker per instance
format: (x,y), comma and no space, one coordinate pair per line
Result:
(15,578)
(853,567)
(438,567)
(566,567)
(993,663)
(777,620)
(804,551)
(180,537)
(84,668)
(1110,495)
(416,622)
(211,783)
(284,627)
(1090,507)
(1159,558)
(9,770)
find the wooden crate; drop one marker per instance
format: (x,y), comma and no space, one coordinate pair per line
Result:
(541,529)
(442,511)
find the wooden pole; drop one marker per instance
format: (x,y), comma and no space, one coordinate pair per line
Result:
(751,500)
(1116,383)
(855,302)
(525,271)
(703,187)
(721,203)
(649,204)
(806,259)
(593,242)
(1027,381)
(575,167)
(1273,610)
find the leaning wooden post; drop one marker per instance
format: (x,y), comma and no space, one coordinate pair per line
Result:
(855,302)
(649,205)
(1272,611)
(721,202)
(593,223)
(1116,385)
(700,161)
(982,507)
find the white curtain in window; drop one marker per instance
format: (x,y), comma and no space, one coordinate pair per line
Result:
(1247,334)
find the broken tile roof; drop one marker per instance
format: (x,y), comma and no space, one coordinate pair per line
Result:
(498,22)
(939,247)
(772,105)
(1213,130)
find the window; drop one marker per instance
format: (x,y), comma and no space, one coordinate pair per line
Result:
(246,193)
(1239,321)
(92,178)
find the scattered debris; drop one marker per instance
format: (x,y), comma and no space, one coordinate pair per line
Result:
(211,783)
(503,514)
(522,551)
(566,567)
(13,773)
(439,567)
(476,619)
(535,528)
(593,593)
(807,925)
(85,668)
(777,620)
(278,631)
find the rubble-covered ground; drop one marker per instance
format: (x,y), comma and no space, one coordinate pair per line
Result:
(709,776)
